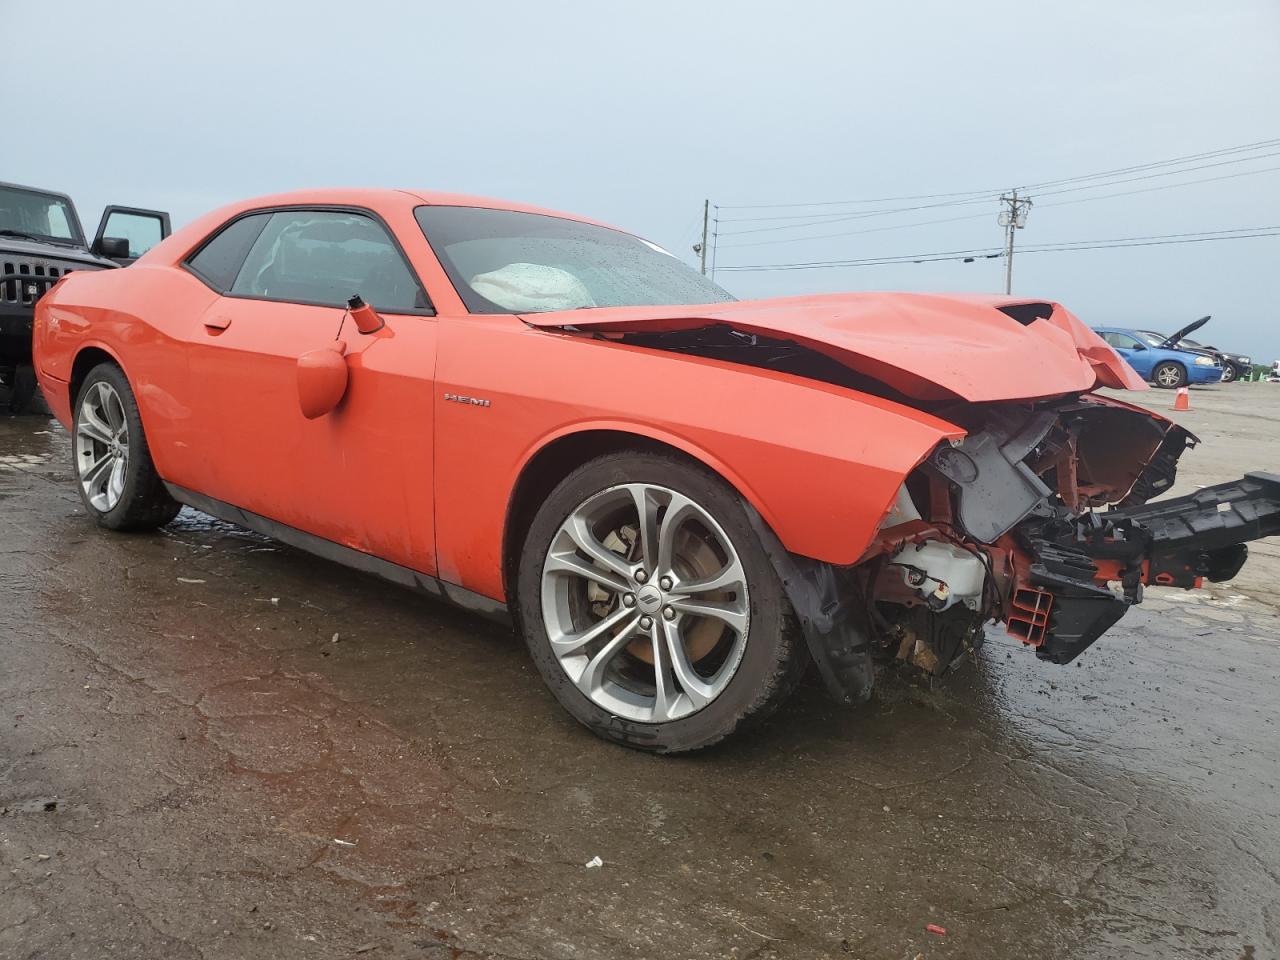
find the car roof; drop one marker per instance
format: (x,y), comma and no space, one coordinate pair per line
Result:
(44,191)
(1132,331)
(380,196)
(378,199)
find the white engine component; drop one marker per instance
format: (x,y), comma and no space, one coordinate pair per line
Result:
(942,573)
(901,510)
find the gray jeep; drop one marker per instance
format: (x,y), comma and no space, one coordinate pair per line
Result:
(41,240)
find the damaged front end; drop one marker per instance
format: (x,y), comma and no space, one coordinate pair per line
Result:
(1037,519)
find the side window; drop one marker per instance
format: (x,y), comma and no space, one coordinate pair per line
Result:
(143,231)
(219,260)
(1121,340)
(326,257)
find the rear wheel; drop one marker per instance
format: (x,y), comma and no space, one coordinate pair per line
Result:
(117,481)
(1170,374)
(650,607)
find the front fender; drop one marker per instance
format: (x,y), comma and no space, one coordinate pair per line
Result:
(822,503)
(820,463)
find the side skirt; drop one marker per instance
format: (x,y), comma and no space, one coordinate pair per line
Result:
(328,550)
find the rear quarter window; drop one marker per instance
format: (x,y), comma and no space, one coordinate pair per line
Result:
(218,261)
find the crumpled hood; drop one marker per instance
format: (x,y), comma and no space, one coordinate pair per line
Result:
(928,346)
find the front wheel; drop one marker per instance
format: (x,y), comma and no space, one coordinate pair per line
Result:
(1170,374)
(1230,373)
(117,481)
(650,607)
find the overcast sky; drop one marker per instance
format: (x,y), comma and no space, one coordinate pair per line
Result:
(633,113)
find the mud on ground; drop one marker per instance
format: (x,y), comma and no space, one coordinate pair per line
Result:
(213,746)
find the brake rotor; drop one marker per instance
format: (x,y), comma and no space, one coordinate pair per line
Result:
(695,559)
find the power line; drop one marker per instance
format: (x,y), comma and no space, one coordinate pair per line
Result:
(1106,175)
(1153,176)
(835,203)
(1155,236)
(1163,186)
(1204,155)
(1057,203)
(854,233)
(861,215)
(1203,236)
(1258,145)
(1238,233)
(1176,166)
(845,213)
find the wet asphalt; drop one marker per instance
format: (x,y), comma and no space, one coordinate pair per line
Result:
(214,746)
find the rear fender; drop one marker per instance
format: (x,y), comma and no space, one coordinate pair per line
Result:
(130,316)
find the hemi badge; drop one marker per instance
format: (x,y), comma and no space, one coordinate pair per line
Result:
(474,401)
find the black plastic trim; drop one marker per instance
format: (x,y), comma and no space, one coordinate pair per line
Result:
(1214,517)
(1179,540)
(355,559)
(830,611)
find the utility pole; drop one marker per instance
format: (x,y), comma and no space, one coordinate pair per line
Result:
(702,247)
(1014,218)
(715,241)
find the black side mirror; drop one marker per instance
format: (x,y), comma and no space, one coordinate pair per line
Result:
(113,248)
(1139,346)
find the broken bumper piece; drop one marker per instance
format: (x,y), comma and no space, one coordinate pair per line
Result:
(1061,602)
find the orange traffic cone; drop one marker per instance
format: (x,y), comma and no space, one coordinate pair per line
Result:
(1183,400)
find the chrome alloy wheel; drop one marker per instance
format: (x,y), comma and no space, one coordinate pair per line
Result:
(102,446)
(645,603)
(1168,375)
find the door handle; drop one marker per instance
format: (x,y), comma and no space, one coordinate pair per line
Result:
(217,324)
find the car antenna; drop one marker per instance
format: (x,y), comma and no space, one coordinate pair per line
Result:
(352,303)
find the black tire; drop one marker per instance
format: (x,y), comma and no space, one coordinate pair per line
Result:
(1169,367)
(144,504)
(1230,374)
(774,657)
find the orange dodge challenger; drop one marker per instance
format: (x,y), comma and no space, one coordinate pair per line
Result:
(679,499)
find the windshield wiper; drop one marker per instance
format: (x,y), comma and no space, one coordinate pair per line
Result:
(56,241)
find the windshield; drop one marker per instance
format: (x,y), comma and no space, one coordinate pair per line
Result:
(502,261)
(39,215)
(1156,339)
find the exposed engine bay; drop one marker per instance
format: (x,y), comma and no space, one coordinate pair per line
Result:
(1038,520)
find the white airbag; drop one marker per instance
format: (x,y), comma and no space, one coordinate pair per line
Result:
(532,287)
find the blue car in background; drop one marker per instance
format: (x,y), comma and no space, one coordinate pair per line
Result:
(1163,365)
